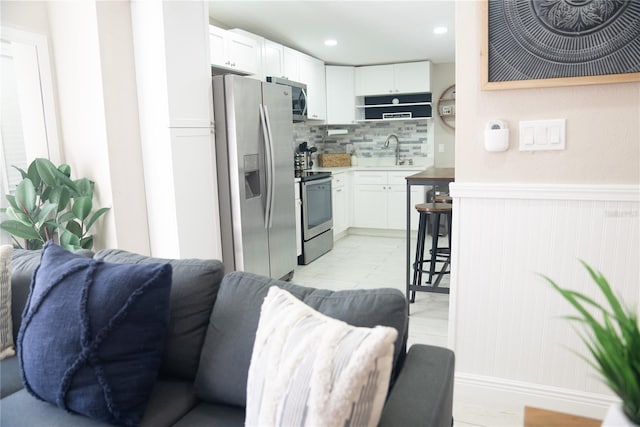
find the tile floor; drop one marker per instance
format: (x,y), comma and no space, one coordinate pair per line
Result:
(363,261)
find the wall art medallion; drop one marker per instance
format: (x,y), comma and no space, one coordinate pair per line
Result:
(543,43)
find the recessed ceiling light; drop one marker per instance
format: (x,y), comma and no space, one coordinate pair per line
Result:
(330,42)
(440,30)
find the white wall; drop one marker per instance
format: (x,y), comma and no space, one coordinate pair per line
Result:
(123,129)
(442,76)
(77,61)
(94,88)
(518,214)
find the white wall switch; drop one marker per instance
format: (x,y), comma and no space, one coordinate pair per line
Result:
(537,135)
(440,148)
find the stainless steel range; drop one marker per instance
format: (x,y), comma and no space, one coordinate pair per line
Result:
(317,219)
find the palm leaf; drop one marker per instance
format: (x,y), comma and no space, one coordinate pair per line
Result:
(613,342)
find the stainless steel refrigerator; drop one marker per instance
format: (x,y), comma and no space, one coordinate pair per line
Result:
(254,151)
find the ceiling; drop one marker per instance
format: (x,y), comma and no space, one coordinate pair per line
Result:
(368,32)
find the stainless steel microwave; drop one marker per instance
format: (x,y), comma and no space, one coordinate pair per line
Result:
(298,97)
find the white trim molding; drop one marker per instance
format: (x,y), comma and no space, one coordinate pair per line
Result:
(507,326)
(620,193)
(515,395)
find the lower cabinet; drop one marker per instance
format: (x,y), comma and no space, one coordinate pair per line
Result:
(380,200)
(339,193)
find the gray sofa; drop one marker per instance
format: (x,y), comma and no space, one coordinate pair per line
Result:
(213,322)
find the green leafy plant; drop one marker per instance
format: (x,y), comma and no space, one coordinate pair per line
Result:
(49,205)
(614,341)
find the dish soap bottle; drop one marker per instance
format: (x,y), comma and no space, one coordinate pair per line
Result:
(354,158)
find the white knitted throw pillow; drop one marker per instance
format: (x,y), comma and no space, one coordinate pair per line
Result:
(308,369)
(6,326)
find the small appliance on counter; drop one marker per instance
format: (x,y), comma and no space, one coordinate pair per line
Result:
(303,160)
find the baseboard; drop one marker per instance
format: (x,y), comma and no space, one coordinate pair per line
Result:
(515,395)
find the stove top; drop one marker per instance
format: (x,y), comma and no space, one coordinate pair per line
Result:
(311,175)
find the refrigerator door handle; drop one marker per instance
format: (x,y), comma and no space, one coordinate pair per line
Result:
(272,168)
(269,177)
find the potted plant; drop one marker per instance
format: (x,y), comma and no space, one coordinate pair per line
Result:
(49,205)
(614,344)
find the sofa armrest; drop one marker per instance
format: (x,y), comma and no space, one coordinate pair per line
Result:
(423,393)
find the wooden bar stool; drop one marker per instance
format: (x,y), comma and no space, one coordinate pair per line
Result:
(437,254)
(442,198)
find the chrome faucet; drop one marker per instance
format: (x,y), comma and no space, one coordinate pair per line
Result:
(386,145)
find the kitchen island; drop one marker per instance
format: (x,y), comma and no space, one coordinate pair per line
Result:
(428,177)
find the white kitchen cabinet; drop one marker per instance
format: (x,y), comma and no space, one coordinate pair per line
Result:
(192,155)
(280,61)
(291,64)
(380,199)
(174,40)
(311,72)
(341,105)
(298,207)
(340,202)
(411,77)
(175,108)
(272,59)
(233,51)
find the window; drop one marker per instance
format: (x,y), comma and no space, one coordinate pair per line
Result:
(27,115)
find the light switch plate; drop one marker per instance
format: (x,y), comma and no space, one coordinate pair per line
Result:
(538,135)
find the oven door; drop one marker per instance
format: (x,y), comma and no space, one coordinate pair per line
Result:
(316,207)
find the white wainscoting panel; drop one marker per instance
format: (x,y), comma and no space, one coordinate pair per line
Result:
(506,323)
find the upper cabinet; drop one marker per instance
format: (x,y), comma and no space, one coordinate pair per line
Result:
(233,51)
(272,59)
(411,77)
(280,61)
(291,64)
(311,72)
(341,97)
(171,52)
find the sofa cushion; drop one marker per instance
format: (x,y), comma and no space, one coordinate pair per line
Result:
(10,376)
(194,288)
(213,415)
(20,409)
(92,334)
(6,326)
(226,354)
(309,369)
(169,402)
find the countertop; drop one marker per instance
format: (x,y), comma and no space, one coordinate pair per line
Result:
(434,174)
(410,169)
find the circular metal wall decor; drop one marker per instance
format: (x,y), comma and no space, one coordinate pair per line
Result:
(547,39)
(447,107)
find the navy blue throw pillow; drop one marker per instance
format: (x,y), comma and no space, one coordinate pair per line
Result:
(93,333)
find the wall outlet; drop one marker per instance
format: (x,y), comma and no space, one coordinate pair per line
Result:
(440,148)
